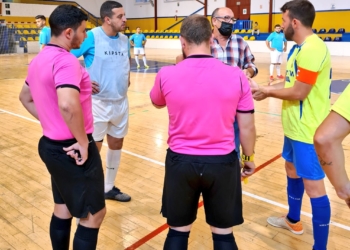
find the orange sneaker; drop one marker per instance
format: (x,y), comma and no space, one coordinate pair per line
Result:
(271,78)
(280,77)
(282,222)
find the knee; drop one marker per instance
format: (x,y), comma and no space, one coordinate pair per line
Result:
(98,217)
(314,189)
(217,230)
(115,144)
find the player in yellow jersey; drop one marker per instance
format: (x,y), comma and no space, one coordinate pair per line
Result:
(305,94)
(328,143)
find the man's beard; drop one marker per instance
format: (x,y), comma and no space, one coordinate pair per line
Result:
(289,33)
(183,54)
(75,42)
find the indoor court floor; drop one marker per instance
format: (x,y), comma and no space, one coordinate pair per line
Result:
(26,202)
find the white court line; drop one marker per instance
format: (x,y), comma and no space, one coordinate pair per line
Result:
(162,164)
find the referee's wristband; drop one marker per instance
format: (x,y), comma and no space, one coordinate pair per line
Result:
(247,158)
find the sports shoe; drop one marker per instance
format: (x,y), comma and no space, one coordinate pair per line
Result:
(146,66)
(271,78)
(280,77)
(138,66)
(282,222)
(115,194)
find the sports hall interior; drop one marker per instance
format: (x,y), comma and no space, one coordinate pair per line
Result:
(26,202)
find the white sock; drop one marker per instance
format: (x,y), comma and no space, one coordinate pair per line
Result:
(137,60)
(271,69)
(144,60)
(278,69)
(113,161)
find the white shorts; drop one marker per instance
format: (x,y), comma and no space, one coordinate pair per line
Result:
(139,51)
(276,56)
(110,117)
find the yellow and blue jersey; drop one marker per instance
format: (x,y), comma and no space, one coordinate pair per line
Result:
(309,63)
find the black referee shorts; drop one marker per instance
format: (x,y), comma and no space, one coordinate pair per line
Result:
(218,178)
(81,188)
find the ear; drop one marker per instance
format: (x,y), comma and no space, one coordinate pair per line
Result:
(183,43)
(68,33)
(107,20)
(211,41)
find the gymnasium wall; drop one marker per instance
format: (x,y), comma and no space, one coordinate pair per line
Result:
(329,14)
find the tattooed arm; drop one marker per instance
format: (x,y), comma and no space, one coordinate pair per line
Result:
(328,144)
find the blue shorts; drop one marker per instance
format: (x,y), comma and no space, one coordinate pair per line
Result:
(304,158)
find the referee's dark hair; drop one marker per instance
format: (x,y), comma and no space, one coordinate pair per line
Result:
(196,29)
(66,16)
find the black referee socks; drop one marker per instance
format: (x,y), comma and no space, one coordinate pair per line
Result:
(176,240)
(224,242)
(85,238)
(60,232)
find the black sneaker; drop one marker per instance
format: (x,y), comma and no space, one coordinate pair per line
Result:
(115,194)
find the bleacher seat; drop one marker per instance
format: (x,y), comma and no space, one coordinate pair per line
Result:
(176,31)
(314,30)
(322,31)
(245,37)
(337,39)
(145,31)
(331,31)
(151,31)
(252,38)
(341,31)
(327,39)
(127,32)
(236,31)
(171,37)
(33,26)
(33,32)
(166,37)
(30,39)
(19,26)
(153,37)
(157,37)
(148,36)
(26,26)
(36,38)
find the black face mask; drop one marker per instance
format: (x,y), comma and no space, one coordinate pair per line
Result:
(226,29)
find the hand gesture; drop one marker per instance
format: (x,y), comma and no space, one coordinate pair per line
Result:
(259,93)
(253,84)
(248,168)
(95,87)
(78,152)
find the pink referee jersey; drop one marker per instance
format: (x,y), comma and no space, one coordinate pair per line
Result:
(202,95)
(53,68)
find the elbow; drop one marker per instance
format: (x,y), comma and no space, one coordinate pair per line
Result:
(21,98)
(321,141)
(66,107)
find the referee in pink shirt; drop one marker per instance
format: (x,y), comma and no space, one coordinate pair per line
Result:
(203,96)
(58,93)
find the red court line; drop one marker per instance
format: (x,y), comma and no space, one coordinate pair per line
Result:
(163,227)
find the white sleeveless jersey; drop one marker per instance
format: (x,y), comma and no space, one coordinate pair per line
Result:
(110,67)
